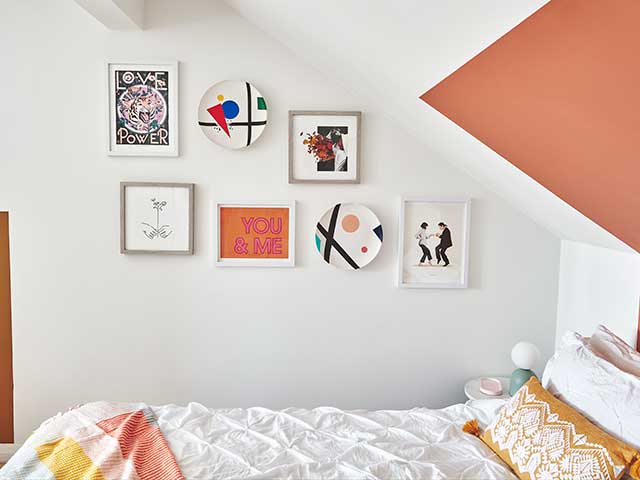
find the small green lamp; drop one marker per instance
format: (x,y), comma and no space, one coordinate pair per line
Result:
(524,355)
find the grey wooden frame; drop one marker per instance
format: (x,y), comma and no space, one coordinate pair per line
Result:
(123,210)
(358,115)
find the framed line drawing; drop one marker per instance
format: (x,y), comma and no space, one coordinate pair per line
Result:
(433,243)
(255,234)
(143,109)
(324,147)
(156,218)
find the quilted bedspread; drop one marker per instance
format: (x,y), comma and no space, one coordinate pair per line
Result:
(258,443)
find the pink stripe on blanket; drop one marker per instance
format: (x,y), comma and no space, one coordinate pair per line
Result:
(141,440)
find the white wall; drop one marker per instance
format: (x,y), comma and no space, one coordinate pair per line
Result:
(90,323)
(396,54)
(598,286)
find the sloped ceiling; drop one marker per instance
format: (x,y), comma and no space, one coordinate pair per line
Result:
(558,97)
(388,54)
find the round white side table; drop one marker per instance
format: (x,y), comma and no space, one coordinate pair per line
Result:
(472,389)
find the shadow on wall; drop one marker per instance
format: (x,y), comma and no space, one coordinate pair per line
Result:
(190,11)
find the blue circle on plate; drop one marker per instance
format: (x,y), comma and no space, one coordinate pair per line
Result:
(230,109)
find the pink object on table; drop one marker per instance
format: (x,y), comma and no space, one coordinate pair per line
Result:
(491,386)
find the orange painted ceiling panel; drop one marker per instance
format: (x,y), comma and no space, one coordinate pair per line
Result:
(559,97)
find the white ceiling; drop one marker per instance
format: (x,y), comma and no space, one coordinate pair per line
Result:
(389,53)
(116,14)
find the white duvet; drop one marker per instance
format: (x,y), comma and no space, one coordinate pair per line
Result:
(258,443)
(328,443)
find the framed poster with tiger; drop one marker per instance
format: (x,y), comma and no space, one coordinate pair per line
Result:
(143,109)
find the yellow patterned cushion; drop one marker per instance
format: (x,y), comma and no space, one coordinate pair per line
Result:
(541,438)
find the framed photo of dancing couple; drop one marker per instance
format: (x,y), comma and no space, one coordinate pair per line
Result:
(434,243)
(255,234)
(143,109)
(324,147)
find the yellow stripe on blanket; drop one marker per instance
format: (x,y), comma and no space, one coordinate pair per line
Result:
(67,461)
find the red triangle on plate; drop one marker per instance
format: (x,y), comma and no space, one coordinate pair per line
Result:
(217,112)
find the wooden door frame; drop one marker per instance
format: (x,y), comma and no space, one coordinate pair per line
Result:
(6,351)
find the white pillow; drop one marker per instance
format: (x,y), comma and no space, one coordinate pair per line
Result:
(612,348)
(596,388)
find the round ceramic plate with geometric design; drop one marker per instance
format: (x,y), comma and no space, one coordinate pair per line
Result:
(349,236)
(232,114)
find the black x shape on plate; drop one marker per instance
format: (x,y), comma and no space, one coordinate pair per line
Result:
(331,241)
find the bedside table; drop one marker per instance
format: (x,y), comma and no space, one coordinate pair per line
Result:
(472,389)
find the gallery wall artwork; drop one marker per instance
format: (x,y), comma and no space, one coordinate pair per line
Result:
(324,147)
(156,218)
(143,109)
(434,243)
(232,114)
(255,235)
(348,236)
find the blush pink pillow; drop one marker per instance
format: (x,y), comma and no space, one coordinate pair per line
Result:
(613,349)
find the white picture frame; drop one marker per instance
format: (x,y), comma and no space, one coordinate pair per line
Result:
(345,126)
(156,218)
(413,269)
(132,87)
(249,232)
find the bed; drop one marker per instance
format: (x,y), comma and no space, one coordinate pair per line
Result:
(581,422)
(195,442)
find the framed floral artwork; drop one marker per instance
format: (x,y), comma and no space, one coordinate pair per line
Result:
(143,109)
(324,147)
(156,218)
(255,234)
(434,243)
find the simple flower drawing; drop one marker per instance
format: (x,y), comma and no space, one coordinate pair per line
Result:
(162,231)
